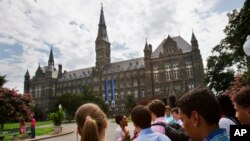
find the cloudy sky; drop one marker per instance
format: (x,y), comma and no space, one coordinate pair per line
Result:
(29,28)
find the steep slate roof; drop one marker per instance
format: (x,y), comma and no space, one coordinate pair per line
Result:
(125,65)
(181,43)
(112,68)
(76,74)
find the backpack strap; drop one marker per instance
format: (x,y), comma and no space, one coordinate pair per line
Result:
(159,123)
(172,133)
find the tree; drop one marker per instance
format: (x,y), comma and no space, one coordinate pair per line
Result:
(14,106)
(87,95)
(236,86)
(2,80)
(229,53)
(70,103)
(130,103)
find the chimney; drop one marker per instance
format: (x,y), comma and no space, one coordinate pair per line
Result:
(60,70)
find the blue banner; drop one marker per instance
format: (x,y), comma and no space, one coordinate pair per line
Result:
(112,90)
(106,90)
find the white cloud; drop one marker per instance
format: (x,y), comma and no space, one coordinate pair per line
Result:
(71,28)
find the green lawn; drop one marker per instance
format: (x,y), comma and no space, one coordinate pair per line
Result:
(41,129)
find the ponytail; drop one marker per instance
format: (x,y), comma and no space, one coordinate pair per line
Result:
(89,130)
(91,122)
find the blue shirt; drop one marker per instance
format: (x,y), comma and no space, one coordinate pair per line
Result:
(217,135)
(148,134)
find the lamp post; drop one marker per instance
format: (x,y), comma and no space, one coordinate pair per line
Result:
(246,49)
(246,46)
(60,107)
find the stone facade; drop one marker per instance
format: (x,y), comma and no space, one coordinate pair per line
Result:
(173,68)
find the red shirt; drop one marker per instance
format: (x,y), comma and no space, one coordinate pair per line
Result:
(33,122)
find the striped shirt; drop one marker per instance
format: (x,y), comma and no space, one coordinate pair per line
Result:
(217,135)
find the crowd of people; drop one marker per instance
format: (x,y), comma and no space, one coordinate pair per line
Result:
(199,115)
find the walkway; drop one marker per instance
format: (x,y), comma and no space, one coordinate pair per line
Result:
(69,133)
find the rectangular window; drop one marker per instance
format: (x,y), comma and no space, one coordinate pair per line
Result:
(136,94)
(142,93)
(176,74)
(135,83)
(122,94)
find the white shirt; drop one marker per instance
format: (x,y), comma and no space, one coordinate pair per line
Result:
(119,134)
(225,123)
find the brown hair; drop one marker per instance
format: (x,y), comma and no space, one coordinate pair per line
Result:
(91,122)
(243,97)
(141,116)
(175,110)
(201,100)
(157,107)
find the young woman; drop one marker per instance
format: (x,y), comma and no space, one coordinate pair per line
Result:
(23,128)
(91,122)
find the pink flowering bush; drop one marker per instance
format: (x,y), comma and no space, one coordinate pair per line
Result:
(14,106)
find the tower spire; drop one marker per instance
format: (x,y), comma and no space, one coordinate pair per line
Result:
(51,58)
(102,43)
(102,31)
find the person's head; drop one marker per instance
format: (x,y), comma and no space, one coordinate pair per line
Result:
(141,117)
(121,120)
(91,122)
(200,112)
(226,106)
(157,109)
(242,105)
(175,113)
(22,121)
(167,110)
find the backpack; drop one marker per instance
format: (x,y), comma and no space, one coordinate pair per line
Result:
(174,131)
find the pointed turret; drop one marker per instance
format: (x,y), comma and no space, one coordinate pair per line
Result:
(26,82)
(194,42)
(102,44)
(27,74)
(51,58)
(147,50)
(39,72)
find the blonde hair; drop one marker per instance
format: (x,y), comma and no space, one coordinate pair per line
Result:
(91,122)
